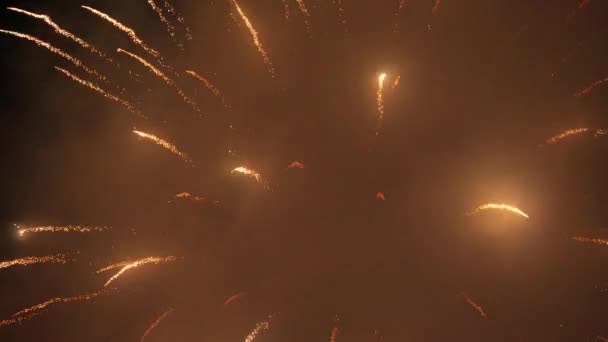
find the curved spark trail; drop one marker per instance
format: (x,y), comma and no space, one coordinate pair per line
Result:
(475,306)
(165,144)
(590,87)
(138,263)
(156,323)
(59,229)
(49,259)
(506,207)
(397,13)
(259,328)
(251,173)
(256,39)
(590,240)
(212,88)
(19,319)
(380,99)
(565,134)
(235,297)
(80,298)
(61,31)
(132,35)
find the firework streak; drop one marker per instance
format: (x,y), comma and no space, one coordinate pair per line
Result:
(102,92)
(305,14)
(235,297)
(157,322)
(590,87)
(285,9)
(259,328)
(49,259)
(80,298)
(506,207)
(396,82)
(400,6)
(590,240)
(19,319)
(380,196)
(251,173)
(165,144)
(475,306)
(161,16)
(138,263)
(565,134)
(380,99)
(256,39)
(61,31)
(341,14)
(59,229)
(212,88)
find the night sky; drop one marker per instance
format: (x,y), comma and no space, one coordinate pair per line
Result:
(483,85)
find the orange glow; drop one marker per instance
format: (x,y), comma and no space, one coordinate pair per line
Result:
(501,206)
(57,259)
(380,196)
(235,297)
(296,165)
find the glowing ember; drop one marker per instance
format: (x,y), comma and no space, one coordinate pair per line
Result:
(165,144)
(506,207)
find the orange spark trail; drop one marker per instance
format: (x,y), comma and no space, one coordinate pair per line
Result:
(138,263)
(380,196)
(132,35)
(251,173)
(53,259)
(397,14)
(305,14)
(162,76)
(296,165)
(165,144)
(170,28)
(341,14)
(113,266)
(235,297)
(590,87)
(256,39)
(57,229)
(285,9)
(565,134)
(102,92)
(19,319)
(80,298)
(259,328)
(506,207)
(195,198)
(212,88)
(396,83)
(590,240)
(179,17)
(380,98)
(61,31)
(436,6)
(475,306)
(157,322)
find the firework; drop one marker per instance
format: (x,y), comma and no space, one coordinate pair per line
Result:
(165,144)
(380,196)
(285,9)
(80,298)
(157,322)
(296,165)
(256,39)
(400,5)
(475,306)
(19,319)
(161,16)
(102,92)
(49,259)
(251,173)
(436,6)
(305,14)
(138,263)
(341,14)
(114,266)
(132,35)
(212,88)
(590,87)
(235,297)
(259,328)
(396,82)
(590,240)
(506,207)
(61,31)
(565,134)
(380,98)
(180,19)
(22,230)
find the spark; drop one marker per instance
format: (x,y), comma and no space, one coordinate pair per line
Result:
(396,82)
(170,28)
(259,328)
(56,229)
(179,17)
(565,134)
(251,173)
(590,87)
(165,144)
(79,298)
(285,9)
(19,319)
(380,196)
(341,15)
(56,259)
(47,19)
(436,7)
(138,263)
(475,306)
(256,39)
(114,266)
(157,322)
(590,240)
(160,75)
(296,165)
(305,14)
(132,35)
(212,88)
(195,198)
(102,92)
(506,207)
(235,297)
(380,98)
(400,6)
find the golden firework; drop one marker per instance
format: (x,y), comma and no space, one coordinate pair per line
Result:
(212,88)
(256,38)
(80,298)
(380,98)
(157,322)
(305,14)
(165,144)
(500,206)
(22,230)
(590,240)
(259,328)
(138,263)
(49,259)
(565,134)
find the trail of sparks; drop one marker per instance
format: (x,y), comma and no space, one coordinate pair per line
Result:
(235,297)
(194,198)
(396,83)
(380,98)
(296,165)
(305,14)
(80,298)
(132,35)
(179,17)
(156,323)
(590,240)
(102,92)
(59,229)
(565,134)
(47,19)
(592,86)
(162,76)
(114,266)
(286,9)
(165,144)
(19,319)
(506,207)
(212,88)
(259,328)
(341,14)
(400,6)
(170,28)
(256,39)
(138,263)
(251,173)
(436,7)
(49,259)
(475,306)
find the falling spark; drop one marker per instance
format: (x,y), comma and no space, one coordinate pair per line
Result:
(19,319)
(565,134)
(102,92)
(251,173)
(259,328)
(590,87)
(380,98)
(52,259)
(190,196)
(506,207)
(396,83)
(132,35)
(56,229)
(341,14)
(475,306)
(157,322)
(235,297)
(165,144)
(436,7)
(212,88)
(590,240)
(161,16)
(256,39)
(179,17)
(285,9)
(114,266)
(138,263)
(61,31)
(400,6)
(161,75)
(305,13)
(380,196)
(296,165)
(80,298)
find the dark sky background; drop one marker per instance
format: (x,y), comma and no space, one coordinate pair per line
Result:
(483,83)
